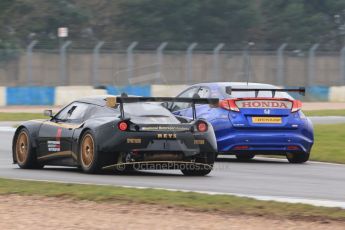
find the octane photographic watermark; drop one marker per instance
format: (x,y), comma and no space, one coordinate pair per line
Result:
(170,166)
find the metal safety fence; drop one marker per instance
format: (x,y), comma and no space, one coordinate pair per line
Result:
(134,63)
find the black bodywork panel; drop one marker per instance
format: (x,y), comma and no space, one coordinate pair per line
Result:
(57,142)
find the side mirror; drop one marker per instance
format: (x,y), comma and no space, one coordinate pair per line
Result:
(48,113)
(228,90)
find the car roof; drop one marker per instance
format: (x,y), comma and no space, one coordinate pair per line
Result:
(96,100)
(237,84)
(220,86)
(101,99)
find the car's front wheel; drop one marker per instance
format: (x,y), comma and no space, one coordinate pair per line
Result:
(297,158)
(89,157)
(24,152)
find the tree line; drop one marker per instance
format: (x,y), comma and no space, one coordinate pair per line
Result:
(182,21)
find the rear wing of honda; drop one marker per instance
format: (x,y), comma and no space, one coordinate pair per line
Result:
(230,89)
(112,101)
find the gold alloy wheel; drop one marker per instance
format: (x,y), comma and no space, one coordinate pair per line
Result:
(87,151)
(22,147)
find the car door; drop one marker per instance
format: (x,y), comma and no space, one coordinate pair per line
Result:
(55,136)
(182,108)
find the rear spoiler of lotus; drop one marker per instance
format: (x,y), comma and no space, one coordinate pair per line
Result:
(300,90)
(112,101)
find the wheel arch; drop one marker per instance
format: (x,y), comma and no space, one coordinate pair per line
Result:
(14,141)
(33,132)
(80,135)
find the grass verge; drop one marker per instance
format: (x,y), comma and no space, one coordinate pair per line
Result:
(330,112)
(187,200)
(20,116)
(329,143)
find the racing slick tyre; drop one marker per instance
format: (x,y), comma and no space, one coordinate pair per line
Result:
(297,158)
(245,156)
(89,157)
(24,152)
(197,171)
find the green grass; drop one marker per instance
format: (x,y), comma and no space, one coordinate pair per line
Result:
(330,112)
(186,200)
(20,116)
(329,143)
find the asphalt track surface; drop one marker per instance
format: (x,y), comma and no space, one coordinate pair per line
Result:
(268,179)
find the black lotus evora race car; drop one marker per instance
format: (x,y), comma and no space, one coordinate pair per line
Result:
(109,132)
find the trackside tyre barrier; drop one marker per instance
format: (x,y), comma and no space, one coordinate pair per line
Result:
(33,95)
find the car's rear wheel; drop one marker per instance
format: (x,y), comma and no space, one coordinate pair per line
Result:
(297,158)
(89,157)
(122,159)
(24,152)
(245,156)
(200,170)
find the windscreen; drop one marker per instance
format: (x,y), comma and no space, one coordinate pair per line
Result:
(149,113)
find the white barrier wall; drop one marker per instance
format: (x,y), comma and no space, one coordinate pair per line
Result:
(337,94)
(67,94)
(3,95)
(167,90)
(62,95)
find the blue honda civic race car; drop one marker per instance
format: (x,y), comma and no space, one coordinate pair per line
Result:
(252,119)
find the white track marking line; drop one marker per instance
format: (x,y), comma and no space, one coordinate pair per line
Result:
(7,129)
(284,160)
(293,200)
(308,162)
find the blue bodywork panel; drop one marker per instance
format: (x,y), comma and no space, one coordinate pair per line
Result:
(238,129)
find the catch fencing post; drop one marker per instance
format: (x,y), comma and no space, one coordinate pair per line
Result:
(189,62)
(95,56)
(247,62)
(160,60)
(216,66)
(311,64)
(63,71)
(130,61)
(342,66)
(281,65)
(29,61)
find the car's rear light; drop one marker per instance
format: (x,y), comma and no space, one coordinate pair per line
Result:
(229,104)
(123,126)
(296,105)
(293,147)
(241,147)
(201,126)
